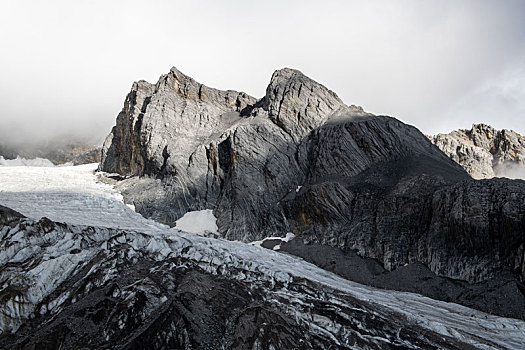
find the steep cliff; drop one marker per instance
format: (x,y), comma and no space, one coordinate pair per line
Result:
(299,160)
(485,152)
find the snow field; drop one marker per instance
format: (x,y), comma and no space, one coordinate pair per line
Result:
(69,194)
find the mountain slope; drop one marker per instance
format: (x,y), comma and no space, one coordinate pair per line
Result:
(299,160)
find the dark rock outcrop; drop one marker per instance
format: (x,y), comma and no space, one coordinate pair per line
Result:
(485,152)
(470,230)
(501,295)
(9,217)
(299,160)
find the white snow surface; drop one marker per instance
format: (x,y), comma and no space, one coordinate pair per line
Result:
(198,222)
(69,194)
(73,195)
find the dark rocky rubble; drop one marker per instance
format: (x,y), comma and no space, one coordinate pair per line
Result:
(84,287)
(9,217)
(501,295)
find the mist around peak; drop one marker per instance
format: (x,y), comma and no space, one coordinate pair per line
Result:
(511,170)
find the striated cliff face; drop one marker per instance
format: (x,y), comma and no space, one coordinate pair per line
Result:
(468,231)
(485,152)
(161,125)
(299,160)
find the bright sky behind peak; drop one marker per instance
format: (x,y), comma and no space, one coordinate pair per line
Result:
(66,66)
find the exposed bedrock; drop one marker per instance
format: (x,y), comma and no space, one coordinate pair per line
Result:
(469,231)
(501,295)
(485,152)
(299,160)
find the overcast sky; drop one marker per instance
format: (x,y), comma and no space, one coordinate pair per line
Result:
(66,66)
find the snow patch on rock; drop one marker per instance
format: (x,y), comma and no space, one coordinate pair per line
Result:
(199,222)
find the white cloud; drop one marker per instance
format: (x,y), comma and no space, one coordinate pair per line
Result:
(511,170)
(67,66)
(499,101)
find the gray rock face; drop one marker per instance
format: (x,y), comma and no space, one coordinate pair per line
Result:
(298,160)
(298,104)
(163,125)
(485,152)
(468,231)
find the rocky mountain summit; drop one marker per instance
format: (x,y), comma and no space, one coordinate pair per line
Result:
(368,199)
(485,152)
(300,160)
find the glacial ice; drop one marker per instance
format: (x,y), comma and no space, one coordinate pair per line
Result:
(75,196)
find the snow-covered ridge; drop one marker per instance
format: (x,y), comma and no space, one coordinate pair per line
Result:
(52,262)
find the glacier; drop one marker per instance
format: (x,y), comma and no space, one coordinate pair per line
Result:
(78,237)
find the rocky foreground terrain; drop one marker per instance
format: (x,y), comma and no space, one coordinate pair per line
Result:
(75,286)
(485,152)
(368,198)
